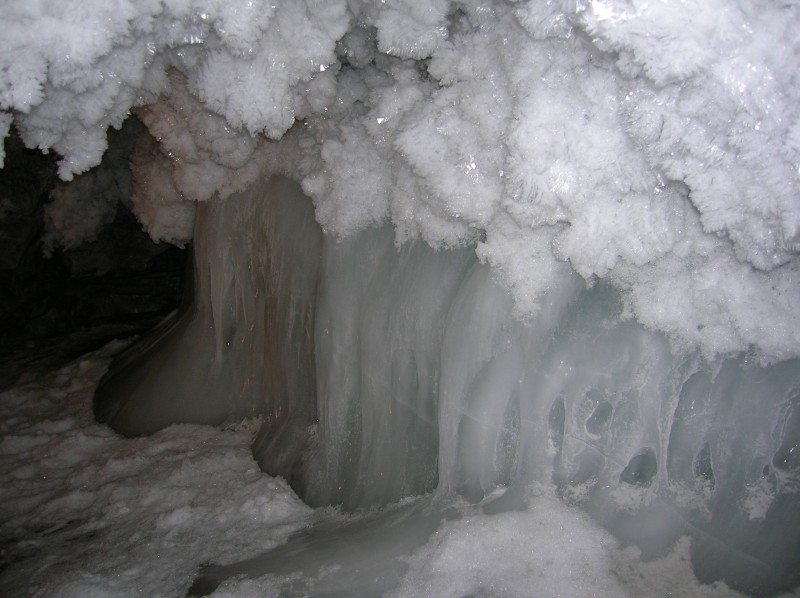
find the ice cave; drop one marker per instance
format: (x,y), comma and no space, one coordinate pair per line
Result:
(504,292)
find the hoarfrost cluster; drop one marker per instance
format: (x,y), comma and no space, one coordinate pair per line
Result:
(653,144)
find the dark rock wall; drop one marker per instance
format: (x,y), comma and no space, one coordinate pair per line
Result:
(57,307)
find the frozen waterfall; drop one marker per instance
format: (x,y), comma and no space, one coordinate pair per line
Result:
(383,372)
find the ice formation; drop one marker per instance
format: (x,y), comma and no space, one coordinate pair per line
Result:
(85,512)
(558,244)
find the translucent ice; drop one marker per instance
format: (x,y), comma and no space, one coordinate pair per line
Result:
(384,372)
(243,343)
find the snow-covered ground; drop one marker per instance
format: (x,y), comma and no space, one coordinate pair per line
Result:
(85,512)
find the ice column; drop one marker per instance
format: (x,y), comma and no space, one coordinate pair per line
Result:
(243,343)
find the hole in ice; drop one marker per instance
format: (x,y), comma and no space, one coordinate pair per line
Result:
(702,466)
(596,423)
(641,469)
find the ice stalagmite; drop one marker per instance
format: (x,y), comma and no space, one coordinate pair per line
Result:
(244,342)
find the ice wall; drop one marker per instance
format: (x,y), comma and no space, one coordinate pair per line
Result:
(387,371)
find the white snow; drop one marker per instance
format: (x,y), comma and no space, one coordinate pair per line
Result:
(652,144)
(85,512)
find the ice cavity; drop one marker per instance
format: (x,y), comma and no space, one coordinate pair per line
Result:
(383,372)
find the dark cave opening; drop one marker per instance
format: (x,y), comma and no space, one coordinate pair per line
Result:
(56,307)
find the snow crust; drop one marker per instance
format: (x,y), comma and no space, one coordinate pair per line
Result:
(652,145)
(570,557)
(449,565)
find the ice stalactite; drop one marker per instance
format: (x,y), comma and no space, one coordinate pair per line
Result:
(381,317)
